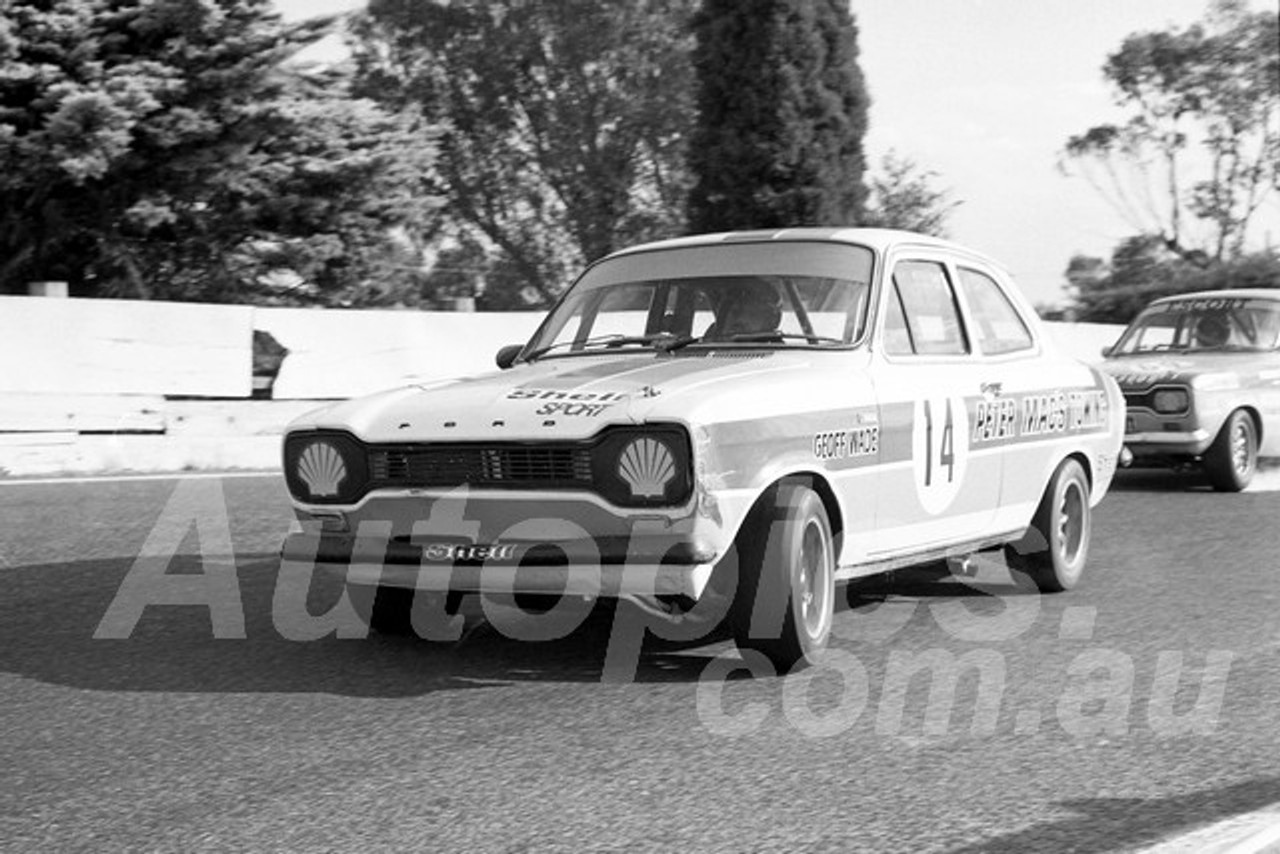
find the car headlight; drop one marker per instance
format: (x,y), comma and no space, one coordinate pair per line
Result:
(325,467)
(644,468)
(1170,401)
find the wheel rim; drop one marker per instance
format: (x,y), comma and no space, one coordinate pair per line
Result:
(1241,452)
(1072,520)
(814,591)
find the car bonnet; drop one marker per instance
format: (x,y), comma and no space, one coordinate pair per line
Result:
(568,398)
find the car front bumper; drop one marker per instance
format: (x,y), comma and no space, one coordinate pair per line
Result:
(1168,444)
(606,567)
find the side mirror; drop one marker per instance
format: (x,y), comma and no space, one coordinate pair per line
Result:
(1106,351)
(507,355)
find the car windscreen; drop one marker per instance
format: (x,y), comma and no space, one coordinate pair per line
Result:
(1203,325)
(777,294)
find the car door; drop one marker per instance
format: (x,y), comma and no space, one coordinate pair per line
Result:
(934,487)
(1016,382)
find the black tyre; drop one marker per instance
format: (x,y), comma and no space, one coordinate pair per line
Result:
(389,610)
(1232,459)
(785,600)
(1053,551)
(536,603)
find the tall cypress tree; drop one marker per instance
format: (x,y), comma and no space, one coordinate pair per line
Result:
(782,110)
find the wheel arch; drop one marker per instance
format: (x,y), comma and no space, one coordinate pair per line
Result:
(835,513)
(819,484)
(1085,462)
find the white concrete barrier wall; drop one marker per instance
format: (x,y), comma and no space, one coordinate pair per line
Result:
(335,354)
(1084,341)
(88,346)
(109,347)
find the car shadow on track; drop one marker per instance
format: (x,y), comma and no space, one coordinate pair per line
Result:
(1097,825)
(51,613)
(1191,479)
(1160,480)
(935,581)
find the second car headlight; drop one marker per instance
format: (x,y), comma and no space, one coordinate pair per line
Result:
(1170,401)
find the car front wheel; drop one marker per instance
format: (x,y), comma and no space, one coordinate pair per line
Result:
(785,601)
(1232,459)
(390,610)
(1053,551)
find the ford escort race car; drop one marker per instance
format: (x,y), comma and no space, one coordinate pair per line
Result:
(753,416)
(1201,380)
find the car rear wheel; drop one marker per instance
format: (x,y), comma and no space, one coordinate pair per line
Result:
(1232,459)
(785,600)
(1053,551)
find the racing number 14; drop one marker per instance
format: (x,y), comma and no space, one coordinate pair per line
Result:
(946,447)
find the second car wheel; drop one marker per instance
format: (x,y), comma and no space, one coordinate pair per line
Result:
(1053,551)
(1232,459)
(785,600)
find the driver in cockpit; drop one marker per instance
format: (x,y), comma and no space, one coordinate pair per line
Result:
(751,307)
(1213,330)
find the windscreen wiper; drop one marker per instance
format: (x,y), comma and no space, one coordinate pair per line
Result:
(671,343)
(610,341)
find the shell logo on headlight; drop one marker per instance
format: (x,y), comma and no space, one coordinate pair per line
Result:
(322,470)
(647,466)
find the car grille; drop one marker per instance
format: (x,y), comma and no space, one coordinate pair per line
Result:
(480,466)
(334,467)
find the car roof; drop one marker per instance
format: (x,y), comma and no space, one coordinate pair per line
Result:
(879,240)
(1230,293)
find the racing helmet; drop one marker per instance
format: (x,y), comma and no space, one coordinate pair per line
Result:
(748,306)
(1212,330)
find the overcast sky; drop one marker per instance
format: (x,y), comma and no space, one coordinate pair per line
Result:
(985,93)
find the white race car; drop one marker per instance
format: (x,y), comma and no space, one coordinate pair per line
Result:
(1201,379)
(755,415)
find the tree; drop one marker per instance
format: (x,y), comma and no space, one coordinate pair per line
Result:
(334,194)
(161,148)
(564,122)
(904,196)
(782,110)
(1143,269)
(1200,152)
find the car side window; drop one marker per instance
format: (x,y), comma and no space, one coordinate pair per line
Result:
(998,327)
(897,338)
(923,306)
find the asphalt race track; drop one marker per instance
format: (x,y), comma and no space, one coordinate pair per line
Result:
(950,716)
